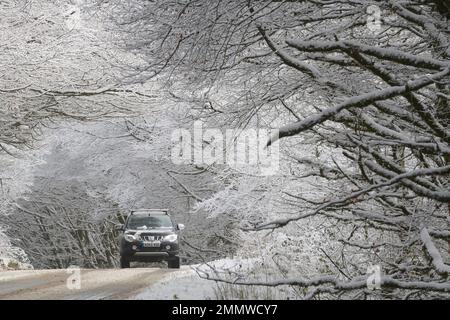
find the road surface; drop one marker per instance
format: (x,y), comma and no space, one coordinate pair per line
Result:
(94,284)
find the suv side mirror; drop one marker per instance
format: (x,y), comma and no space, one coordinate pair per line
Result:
(180,226)
(118,227)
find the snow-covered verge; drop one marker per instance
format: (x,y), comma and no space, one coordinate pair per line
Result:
(13,264)
(184,285)
(12,258)
(189,284)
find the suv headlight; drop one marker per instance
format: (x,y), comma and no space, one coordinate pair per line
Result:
(171,238)
(129,237)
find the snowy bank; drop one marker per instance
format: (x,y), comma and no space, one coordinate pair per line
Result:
(186,284)
(13,264)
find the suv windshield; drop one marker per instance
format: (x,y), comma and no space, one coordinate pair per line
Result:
(149,222)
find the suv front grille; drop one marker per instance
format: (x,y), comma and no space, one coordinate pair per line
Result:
(151,238)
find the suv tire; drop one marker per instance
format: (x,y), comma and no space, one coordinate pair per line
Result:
(124,262)
(174,263)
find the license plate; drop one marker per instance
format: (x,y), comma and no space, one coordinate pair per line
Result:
(151,244)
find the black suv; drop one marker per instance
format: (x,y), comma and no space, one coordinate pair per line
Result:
(150,235)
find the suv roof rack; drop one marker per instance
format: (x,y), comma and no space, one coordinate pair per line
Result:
(150,211)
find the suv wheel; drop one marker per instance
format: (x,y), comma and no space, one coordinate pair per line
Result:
(124,262)
(174,263)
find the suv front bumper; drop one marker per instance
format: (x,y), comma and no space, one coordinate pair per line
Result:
(135,251)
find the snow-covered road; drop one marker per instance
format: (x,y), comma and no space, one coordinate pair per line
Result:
(121,284)
(94,284)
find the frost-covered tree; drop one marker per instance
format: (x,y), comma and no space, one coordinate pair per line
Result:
(56,63)
(365,84)
(91,176)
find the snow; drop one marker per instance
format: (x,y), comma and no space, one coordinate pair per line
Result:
(359,101)
(433,252)
(183,285)
(383,53)
(186,284)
